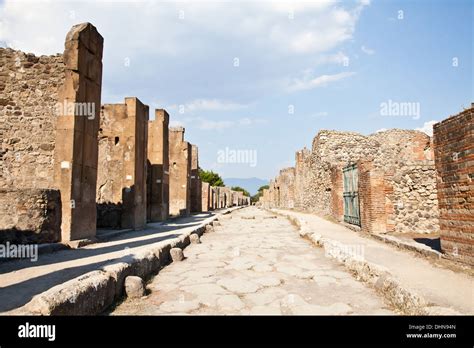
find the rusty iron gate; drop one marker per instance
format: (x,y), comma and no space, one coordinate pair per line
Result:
(351,194)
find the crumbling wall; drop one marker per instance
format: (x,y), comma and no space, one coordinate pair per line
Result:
(302,177)
(121,189)
(30,215)
(401,159)
(180,172)
(286,183)
(454,154)
(158,167)
(49,114)
(29,94)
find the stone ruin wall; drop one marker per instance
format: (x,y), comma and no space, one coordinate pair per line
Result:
(29,93)
(158,189)
(302,177)
(180,172)
(121,181)
(404,157)
(196,189)
(286,188)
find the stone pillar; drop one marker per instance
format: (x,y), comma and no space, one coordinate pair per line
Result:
(337,190)
(454,158)
(196,195)
(121,183)
(373,216)
(205,196)
(76,155)
(158,167)
(180,172)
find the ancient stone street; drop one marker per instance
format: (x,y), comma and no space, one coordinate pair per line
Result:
(254,263)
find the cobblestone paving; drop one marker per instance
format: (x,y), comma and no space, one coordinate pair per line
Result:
(254,263)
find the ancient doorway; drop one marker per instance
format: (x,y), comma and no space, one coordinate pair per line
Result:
(351,194)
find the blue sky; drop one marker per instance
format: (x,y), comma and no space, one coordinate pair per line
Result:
(331,62)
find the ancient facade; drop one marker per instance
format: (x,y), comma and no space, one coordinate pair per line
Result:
(158,167)
(196,194)
(454,155)
(49,119)
(394,173)
(180,172)
(121,179)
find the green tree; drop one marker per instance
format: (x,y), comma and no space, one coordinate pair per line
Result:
(238,188)
(212,178)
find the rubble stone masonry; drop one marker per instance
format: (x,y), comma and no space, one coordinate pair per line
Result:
(454,154)
(402,168)
(49,117)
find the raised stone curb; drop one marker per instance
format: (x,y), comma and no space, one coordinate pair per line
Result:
(93,292)
(405,300)
(416,247)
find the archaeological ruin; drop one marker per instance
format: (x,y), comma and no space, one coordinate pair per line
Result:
(121,176)
(71,165)
(196,186)
(49,119)
(453,141)
(387,182)
(180,154)
(158,189)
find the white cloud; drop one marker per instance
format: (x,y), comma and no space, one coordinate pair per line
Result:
(367,50)
(207,105)
(317,26)
(207,124)
(175,59)
(307,82)
(214,125)
(427,127)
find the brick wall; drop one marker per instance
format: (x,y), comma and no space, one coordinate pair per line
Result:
(454,156)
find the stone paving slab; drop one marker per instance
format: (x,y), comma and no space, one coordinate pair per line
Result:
(253,264)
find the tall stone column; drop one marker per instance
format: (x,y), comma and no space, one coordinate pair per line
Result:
(121,191)
(158,167)
(180,172)
(196,196)
(76,151)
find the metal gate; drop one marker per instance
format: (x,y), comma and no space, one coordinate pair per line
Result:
(351,194)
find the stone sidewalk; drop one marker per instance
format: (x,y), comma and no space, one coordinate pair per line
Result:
(49,277)
(425,287)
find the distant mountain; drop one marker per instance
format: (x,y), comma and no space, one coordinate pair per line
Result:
(250,184)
